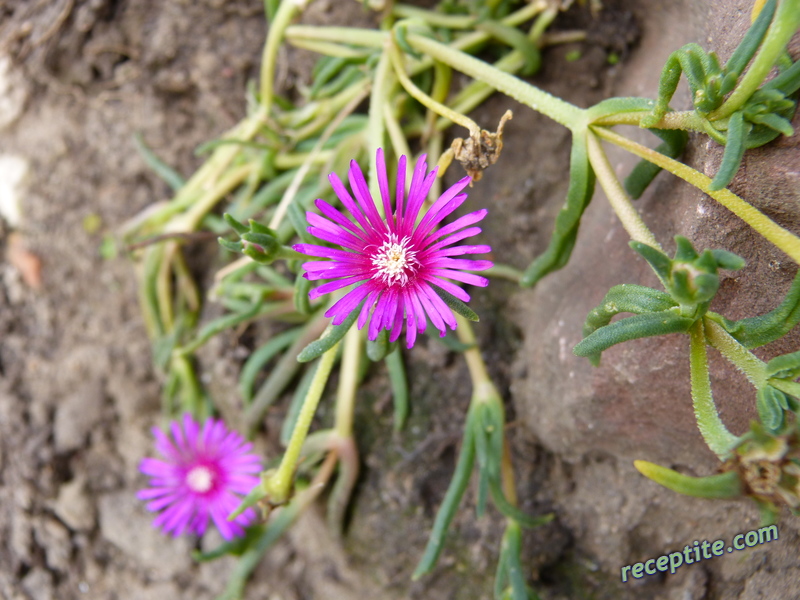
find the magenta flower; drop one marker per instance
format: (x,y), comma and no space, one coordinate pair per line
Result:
(203,471)
(395,261)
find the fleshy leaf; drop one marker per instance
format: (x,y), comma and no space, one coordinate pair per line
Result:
(329,338)
(455,304)
(581,188)
(724,485)
(631,328)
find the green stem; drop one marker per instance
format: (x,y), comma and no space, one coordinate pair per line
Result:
(477,368)
(504,272)
(687,120)
(348,384)
(426,100)
(278,485)
(375,126)
(783,27)
(435,19)
(357,36)
(277,29)
(302,172)
(396,137)
(562,112)
(328,48)
(782,238)
(619,200)
(713,430)
(744,360)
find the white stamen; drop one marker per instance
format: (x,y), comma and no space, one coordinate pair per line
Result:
(394,261)
(200,479)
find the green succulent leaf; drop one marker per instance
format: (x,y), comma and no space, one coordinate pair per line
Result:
(399,383)
(378,348)
(631,328)
(642,175)
(738,130)
(751,40)
(455,304)
(727,260)
(516,39)
(753,332)
(786,366)
(455,491)
(581,188)
(329,338)
(626,298)
(724,485)
(770,404)
(613,106)
(660,262)
(239,227)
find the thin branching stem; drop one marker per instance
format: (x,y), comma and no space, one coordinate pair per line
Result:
(784,239)
(715,434)
(617,197)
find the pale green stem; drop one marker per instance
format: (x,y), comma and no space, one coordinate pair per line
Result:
(686,120)
(744,360)
(375,126)
(279,484)
(296,159)
(434,148)
(356,36)
(164,284)
(208,173)
(782,238)
(432,18)
(375,39)
(481,382)
(784,25)
(297,180)
(327,48)
(286,12)
(560,111)
(399,141)
(617,197)
(348,384)
(191,219)
(504,272)
(426,100)
(713,430)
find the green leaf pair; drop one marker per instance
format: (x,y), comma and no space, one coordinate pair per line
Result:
(691,281)
(753,332)
(773,403)
(709,83)
(257,241)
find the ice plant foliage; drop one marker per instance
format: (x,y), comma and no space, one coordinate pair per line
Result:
(394,261)
(204,468)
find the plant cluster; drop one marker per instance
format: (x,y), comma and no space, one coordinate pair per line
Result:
(393,267)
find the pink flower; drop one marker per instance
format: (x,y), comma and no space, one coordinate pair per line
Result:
(394,262)
(203,471)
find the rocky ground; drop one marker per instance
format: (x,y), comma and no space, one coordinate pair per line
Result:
(78,392)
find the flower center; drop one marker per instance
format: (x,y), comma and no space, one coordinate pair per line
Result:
(200,479)
(394,261)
